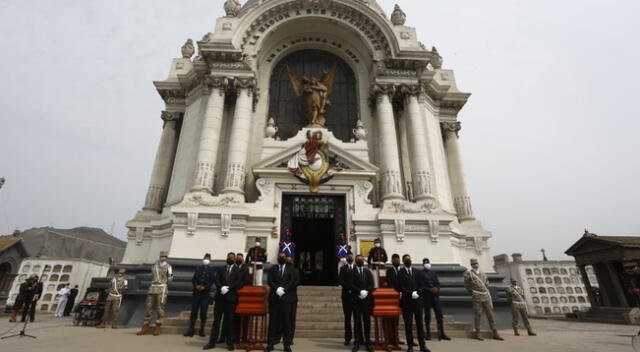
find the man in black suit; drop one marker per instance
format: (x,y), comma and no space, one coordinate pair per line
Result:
(228,282)
(432,300)
(283,283)
(32,300)
(393,272)
(202,280)
(412,287)
(347,305)
(361,286)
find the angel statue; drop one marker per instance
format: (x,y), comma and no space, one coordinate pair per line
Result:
(315,94)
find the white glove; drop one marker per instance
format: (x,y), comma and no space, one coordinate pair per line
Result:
(415,295)
(280,291)
(363,294)
(224,290)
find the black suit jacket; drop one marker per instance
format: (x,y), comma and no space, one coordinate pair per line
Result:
(430,281)
(411,283)
(289,281)
(204,276)
(344,276)
(392,278)
(233,280)
(244,275)
(359,282)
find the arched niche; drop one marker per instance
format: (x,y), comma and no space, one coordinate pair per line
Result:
(286,107)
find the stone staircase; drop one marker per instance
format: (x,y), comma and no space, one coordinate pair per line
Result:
(319,315)
(607,315)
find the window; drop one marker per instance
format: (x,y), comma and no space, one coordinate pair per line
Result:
(572,299)
(538,309)
(47,268)
(22,278)
(54,277)
(574,280)
(531,281)
(44,277)
(557,280)
(548,280)
(64,278)
(533,290)
(555,271)
(57,268)
(44,307)
(542,290)
(554,300)
(572,271)
(67,269)
(547,310)
(47,297)
(51,287)
(556,309)
(565,309)
(546,271)
(564,299)
(36,268)
(563,271)
(26,268)
(60,287)
(561,290)
(566,280)
(535,300)
(581,299)
(540,280)
(545,299)
(551,290)
(570,290)
(536,271)
(528,271)
(575,309)
(578,290)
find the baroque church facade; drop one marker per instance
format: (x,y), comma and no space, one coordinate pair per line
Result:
(315,118)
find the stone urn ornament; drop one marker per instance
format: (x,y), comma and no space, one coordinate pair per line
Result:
(271,129)
(359,132)
(398,17)
(187,49)
(436,59)
(232,8)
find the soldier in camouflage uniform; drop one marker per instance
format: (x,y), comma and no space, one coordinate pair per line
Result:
(518,306)
(161,275)
(117,286)
(477,284)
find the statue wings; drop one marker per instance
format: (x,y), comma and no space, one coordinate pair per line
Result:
(327,80)
(298,84)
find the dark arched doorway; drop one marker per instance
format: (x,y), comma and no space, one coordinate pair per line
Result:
(286,107)
(5,279)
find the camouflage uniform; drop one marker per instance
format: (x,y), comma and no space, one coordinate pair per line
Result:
(158,291)
(518,306)
(477,284)
(116,287)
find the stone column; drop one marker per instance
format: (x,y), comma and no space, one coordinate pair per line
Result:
(210,135)
(418,146)
(617,285)
(600,269)
(387,137)
(163,164)
(240,137)
(461,198)
(587,286)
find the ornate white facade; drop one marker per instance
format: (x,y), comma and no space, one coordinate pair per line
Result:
(220,172)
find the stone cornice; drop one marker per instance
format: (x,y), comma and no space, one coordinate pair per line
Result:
(171,92)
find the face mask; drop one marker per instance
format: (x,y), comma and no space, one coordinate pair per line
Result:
(427,266)
(407,263)
(206,261)
(396,264)
(377,245)
(359,263)
(343,260)
(239,261)
(230,261)
(349,260)
(281,260)
(163,262)
(257,244)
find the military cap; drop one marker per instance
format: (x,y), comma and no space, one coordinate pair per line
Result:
(164,254)
(474,261)
(377,240)
(122,271)
(513,281)
(425,261)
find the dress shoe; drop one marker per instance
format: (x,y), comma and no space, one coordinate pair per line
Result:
(269,348)
(355,348)
(287,348)
(442,336)
(209,346)
(424,349)
(427,336)
(369,348)
(189,333)
(201,333)
(347,342)
(230,348)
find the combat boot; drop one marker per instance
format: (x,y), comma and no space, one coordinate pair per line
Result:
(102,325)
(156,331)
(144,330)
(531,333)
(515,331)
(497,336)
(478,335)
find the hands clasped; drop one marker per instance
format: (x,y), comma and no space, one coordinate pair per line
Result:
(363,294)
(415,295)
(280,291)
(224,290)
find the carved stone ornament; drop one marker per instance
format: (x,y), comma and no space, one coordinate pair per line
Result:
(192,223)
(434,230)
(167,116)
(271,129)
(364,189)
(225,224)
(209,201)
(398,17)
(311,165)
(436,59)
(414,208)
(359,132)
(139,235)
(232,8)
(447,127)
(213,82)
(264,187)
(187,49)
(315,93)
(400,229)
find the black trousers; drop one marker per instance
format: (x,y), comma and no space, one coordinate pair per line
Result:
(280,322)
(69,307)
(347,309)
(29,309)
(227,310)
(429,304)
(199,302)
(362,319)
(411,310)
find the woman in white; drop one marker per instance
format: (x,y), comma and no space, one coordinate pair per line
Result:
(63,295)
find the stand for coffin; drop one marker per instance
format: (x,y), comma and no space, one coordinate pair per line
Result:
(386,316)
(252,312)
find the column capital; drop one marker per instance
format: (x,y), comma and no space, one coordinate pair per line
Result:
(410,90)
(248,83)
(216,82)
(167,116)
(454,127)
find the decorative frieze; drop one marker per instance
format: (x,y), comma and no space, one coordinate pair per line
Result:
(192,223)
(463,206)
(313,39)
(421,183)
(400,228)
(235,176)
(434,230)
(209,201)
(391,182)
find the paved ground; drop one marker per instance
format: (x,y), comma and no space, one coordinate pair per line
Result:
(60,335)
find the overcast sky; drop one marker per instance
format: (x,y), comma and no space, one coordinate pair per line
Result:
(550,134)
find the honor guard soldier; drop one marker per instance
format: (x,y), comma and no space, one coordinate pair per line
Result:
(342,249)
(257,256)
(161,275)
(344,278)
(377,255)
(361,286)
(116,288)
(412,286)
(202,280)
(283,286)
(475,281)
(432,300)
(288,247)
(518,307)
(228,281)
(393,272)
